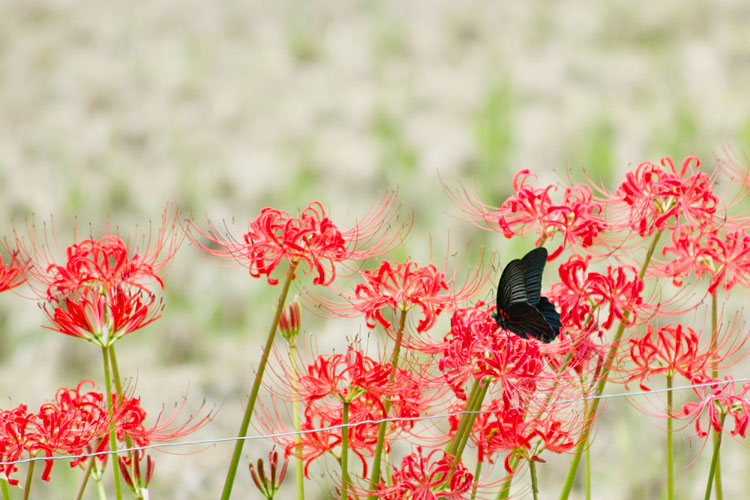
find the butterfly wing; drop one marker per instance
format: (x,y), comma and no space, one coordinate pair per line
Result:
(512,286)
(525,320)
(533,264)
(520,307)
(551,316)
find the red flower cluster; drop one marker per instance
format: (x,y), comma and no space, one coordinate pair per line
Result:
(77,421)
(657,194)
(715,402)
(722,256)
(100,294)
(364,384)
(475,347)
(401,286)
(590,301)
(436,476)
(394,289)
(312,240)
(516,419)
(65,426)
(670,349)
(519,431)
(579,217)
(103,289)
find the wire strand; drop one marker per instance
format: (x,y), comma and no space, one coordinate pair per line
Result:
(355,424)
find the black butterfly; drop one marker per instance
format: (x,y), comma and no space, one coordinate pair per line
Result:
(520,307)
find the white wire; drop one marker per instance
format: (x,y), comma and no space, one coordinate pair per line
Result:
(355,424)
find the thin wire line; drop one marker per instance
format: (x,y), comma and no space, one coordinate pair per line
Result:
(363,422)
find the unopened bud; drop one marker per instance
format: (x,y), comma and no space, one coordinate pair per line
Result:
(268,486)
(290,320)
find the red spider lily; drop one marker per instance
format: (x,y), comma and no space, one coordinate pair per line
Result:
(344,376)
(11,275)
(67,426)
(311,240)
(470,329)
(513,361)
(400,287)
(501,427)
(518,429)
(104,317)
(70,424)
(98,263)
(658,194)
(670,349)
(322,435)
(364,384)
(582,295)
(95,263)
(315,443)
(716,401)
(580,351)
(15,438)
(476,347)
(723,257)
(436,476)
(331,380)
(408,399)
(102,289)
(578,217)
(78,421)
(556,435)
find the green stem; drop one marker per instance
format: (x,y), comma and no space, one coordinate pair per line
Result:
(715,374)
(27,486)
(587,472)
(297,422)
(345,450)
(4,488)
(589,422)
(112,435)
(85,480)
(232,472)
(115,370)
(587,456)
(670,441)
(714,331)
(120,396)
(716,464)
(477,471)
(470,422)
(532,473)
(383,427)
(505,490)
(100,490)
(461,428)
(714,460)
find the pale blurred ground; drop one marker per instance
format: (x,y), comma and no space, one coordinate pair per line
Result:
(224,107)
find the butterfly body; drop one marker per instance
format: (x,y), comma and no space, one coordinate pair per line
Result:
(521,308)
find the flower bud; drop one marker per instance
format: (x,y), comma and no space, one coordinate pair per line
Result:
(290,320)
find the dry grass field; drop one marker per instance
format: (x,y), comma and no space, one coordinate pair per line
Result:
(111,110)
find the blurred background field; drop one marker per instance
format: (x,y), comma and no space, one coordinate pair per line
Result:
(113,109)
